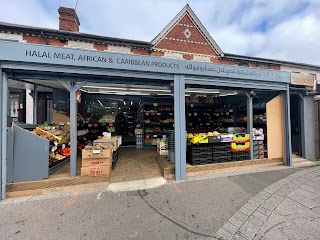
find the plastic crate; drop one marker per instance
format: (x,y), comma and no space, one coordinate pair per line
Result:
(240,156)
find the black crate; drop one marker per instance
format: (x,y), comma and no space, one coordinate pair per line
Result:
(240,156)
(222,159)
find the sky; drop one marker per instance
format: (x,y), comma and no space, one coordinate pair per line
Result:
(277,29)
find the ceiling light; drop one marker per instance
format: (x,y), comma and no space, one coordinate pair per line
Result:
(151,90)
(228,94)
(98,87)
(202,90)
(100,103)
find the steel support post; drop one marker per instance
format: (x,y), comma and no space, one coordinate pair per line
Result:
(35,103)
(287,127)
(4,113)
(250,122)
(73,129)
(180,128)
(318,133)
(1,129)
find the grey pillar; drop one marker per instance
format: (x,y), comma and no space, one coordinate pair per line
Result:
(35,103)
(3,138)
(180,128)
(1,129)
(308,129)
(73,129)
(250,122)
(287,127)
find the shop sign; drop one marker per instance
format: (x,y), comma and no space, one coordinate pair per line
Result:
(23,52)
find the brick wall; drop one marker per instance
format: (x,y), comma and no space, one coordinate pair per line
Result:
(100,47)
(34,39)
(140,51)
(165,45)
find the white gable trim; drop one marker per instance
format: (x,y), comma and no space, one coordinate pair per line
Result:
(187,10)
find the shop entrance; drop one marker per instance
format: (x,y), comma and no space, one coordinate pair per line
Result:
(158,75)
(295,114)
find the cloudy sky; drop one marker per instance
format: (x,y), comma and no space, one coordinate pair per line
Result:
(277,29)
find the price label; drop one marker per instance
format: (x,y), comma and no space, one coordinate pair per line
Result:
(96,151)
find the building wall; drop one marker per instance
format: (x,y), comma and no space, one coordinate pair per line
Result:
(301,76)
(196,48)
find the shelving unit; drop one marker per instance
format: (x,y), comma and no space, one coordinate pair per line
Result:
(157,120)
(208,117)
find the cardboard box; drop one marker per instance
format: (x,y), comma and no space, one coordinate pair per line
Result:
(60,119)
(94,154)
(119,140)
(113,142)
(96,162)
(94,171)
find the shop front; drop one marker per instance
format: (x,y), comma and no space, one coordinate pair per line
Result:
(197,113)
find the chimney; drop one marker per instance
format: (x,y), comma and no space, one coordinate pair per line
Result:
(68,19)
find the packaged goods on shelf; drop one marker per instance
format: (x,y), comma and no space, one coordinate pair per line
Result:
(162,146)
(257,134)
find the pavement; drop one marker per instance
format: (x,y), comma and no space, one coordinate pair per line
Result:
(287,209)
(273,203)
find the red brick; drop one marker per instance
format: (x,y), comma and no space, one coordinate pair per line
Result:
(100,47)
(275,67)
(157,54)
(34,39)
(184,46)
(186,20)
(140,51)
(56,42)
(68,19)
(187,57)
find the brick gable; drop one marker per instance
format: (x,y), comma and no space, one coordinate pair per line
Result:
(176,40)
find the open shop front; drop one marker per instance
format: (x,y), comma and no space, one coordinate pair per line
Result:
(161,100)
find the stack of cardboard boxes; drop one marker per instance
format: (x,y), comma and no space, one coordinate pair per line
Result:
(96,162)
(99,161)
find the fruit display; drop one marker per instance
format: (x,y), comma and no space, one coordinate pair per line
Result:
(52,133)
(260,117)
(101,146)
(158,120)
(56,156)
(65,151)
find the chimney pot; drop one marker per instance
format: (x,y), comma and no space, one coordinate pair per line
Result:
(68,19)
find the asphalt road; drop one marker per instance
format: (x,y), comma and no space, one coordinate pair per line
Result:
(184,210)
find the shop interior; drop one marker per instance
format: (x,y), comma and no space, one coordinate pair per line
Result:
(137,122)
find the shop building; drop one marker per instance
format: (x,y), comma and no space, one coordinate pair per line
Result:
(179,93)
